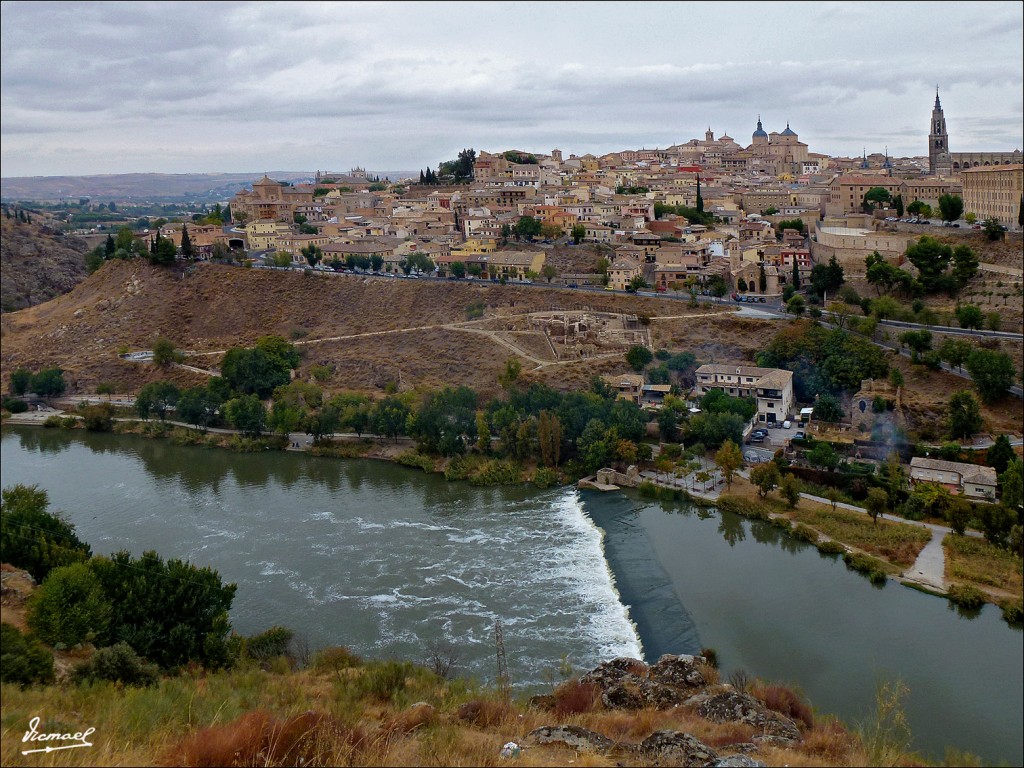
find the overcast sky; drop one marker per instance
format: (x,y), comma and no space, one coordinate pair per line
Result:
(180,87)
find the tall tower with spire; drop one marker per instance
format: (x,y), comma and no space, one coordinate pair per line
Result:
(938,139)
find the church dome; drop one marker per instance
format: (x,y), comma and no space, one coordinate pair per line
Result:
(788,132)
(760,132)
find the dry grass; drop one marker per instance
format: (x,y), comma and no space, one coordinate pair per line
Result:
(899,543)
(979,563)
(785,701)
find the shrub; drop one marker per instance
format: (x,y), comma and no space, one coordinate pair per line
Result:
(573,697)
(416,459)
(483,713)
(869,566)
(15,404)
(459,468)
(831,548)
(648,489)
(117,664)
(710,656)
(23,659)
(69,607)
(966,596)
(385,680)
(53,422)
(99,418)
(496,472)
(34,539)
(336,658)
(545,477)
(805,533)
(1013,613)
(781,699)
(268,645)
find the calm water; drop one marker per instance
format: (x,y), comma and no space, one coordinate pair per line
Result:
(386,559)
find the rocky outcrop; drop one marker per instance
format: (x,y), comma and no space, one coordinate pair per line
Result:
(675,748)
(736,707)
(572,736)
(631,684)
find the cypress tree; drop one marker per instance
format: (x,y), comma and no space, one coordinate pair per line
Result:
(700,200)
(109,247)
(762,279)
(186,243)
(796,273)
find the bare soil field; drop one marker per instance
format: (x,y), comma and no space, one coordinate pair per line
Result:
(127,305)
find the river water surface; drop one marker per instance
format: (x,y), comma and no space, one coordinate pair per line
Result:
(386,560)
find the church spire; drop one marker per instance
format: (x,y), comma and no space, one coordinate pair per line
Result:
(937,104)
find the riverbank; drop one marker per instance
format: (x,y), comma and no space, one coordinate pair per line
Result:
(768,601)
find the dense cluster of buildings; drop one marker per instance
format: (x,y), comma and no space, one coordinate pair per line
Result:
(613,199)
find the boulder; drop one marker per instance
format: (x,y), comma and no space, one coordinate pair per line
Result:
(737,761)
(627,683)
(572,736)
(675,748)
(680,671)
(736,707)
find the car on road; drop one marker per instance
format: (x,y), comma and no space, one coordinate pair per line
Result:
(801,435)
(752,457)
(755,438)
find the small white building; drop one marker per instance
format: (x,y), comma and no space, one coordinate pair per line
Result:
(966,479)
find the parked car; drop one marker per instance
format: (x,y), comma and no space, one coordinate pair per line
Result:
(755,439)
(801,435)
(762,299)
(787,424)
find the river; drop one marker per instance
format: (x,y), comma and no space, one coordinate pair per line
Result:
(387,560)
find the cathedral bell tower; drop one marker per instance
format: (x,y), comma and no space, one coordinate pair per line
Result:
(938,141)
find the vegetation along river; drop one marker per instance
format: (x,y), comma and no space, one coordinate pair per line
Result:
(387,560)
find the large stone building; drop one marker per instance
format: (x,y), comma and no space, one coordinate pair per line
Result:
(942,162)
(994,192)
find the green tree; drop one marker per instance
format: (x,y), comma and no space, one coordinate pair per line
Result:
(549,272)
(992,372)
(312,254)
(246,414)
(1000,454)
(69,607)
(458,269)
(931,259)
(636,284)
(1012,484)
(875,195)
(789,489)
(827,408)
(21,379)
(169,612)
(963,415)
(255,371)
(992,229)
(762,279)
(970,316)
(823,456)
(796,274)
(23,659)
(579,231)
(765,477)
(549,438)
(527,228)
(918,341)
(125,239)
(186,243)
(730,458)
(639,356)
(33,538)
(950,207)
(165,353)
(796,306)
(48,382)
(955,351)
(156,397)
(876,503)
(389,417)
(94,259)
(898,204)
(446,421)
(965,265)
(198,406)
(163,251)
